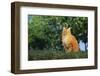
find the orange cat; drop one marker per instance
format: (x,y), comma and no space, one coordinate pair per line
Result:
(69,41)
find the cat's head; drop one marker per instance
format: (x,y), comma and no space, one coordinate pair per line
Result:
(66,30)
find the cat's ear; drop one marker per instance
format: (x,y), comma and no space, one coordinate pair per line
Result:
(69,29)
(64,28)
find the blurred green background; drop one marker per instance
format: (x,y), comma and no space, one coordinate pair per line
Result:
(44,36)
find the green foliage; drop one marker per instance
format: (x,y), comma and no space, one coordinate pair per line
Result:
(49,54)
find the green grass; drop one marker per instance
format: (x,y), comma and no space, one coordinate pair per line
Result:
(50,55)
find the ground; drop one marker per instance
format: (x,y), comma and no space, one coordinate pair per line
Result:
(51,55)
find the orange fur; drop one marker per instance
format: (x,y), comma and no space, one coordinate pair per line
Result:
(69,41)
